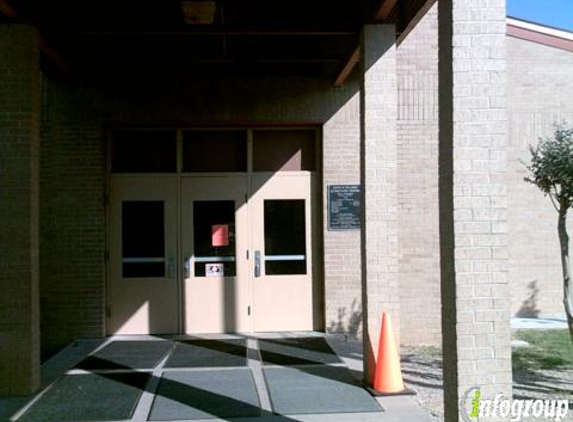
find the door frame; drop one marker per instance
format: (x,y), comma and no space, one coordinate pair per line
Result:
(318,286)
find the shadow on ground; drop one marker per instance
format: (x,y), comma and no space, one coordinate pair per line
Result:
(422,370)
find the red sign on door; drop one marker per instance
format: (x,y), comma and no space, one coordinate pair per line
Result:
(220,235)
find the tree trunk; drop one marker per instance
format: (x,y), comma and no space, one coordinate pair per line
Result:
(565,264)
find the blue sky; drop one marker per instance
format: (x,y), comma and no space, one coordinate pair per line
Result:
(557,13)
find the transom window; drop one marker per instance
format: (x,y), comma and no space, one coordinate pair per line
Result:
(214,151)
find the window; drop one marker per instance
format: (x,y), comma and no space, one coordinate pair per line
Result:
(285,237)
(214,238)
(214,151)
(143,239)
(284,150)
(142,151)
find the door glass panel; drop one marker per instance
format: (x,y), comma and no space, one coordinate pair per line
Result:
(214,151)
(214,238)
(284,150)
(143,239)
(144,151)
(285,237)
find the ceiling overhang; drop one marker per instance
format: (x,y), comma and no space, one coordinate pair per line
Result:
(127,39)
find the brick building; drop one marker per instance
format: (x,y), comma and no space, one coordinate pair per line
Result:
(311,160)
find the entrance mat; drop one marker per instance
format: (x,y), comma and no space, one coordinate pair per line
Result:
(127,355)
(205,394)
(297,351)
(208,353)
(317,389)
(89,397)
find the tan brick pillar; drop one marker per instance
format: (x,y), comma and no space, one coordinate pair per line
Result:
(473,189)
(19,146)
(378,115)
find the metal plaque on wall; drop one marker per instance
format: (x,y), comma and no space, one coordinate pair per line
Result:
(344,209)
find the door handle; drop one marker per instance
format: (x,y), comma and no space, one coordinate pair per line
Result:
(187,267)
(257,263)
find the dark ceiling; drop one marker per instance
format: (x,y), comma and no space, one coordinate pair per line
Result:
(114,39)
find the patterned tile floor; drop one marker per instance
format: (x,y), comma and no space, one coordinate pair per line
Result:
(284,377)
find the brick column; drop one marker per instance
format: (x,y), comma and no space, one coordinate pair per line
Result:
(19,145)
(378,116)
(473,189)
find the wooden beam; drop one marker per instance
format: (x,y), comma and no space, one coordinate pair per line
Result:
(383,11)
(262,61)
(381,15)
(348,67)
(52,54)
(7,10)
(48,50)
(227,31)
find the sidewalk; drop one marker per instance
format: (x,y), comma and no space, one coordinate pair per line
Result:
(542,322)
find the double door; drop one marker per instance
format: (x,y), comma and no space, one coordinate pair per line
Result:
(212,254)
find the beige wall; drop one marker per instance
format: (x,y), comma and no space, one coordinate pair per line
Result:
(473,201)
(379,149)
(540,84)
(419,266)
(342,263)
(539,87)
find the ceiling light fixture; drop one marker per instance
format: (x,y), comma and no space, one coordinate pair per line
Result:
(199,12)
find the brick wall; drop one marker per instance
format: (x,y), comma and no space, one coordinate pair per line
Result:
(378,106)
(342,262)
(539,94)
(419,274)
(538,85)
(473,201)
(72,186)
(19,145)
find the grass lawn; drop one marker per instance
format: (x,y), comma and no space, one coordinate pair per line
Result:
(428,352)
(549,349)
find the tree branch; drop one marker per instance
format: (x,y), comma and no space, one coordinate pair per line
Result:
(553,202)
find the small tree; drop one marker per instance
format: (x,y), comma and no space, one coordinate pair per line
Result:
(551,170)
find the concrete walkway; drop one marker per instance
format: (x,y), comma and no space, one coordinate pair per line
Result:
(277,377)
(542,322)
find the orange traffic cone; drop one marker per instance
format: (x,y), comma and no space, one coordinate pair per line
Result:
(388,374)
